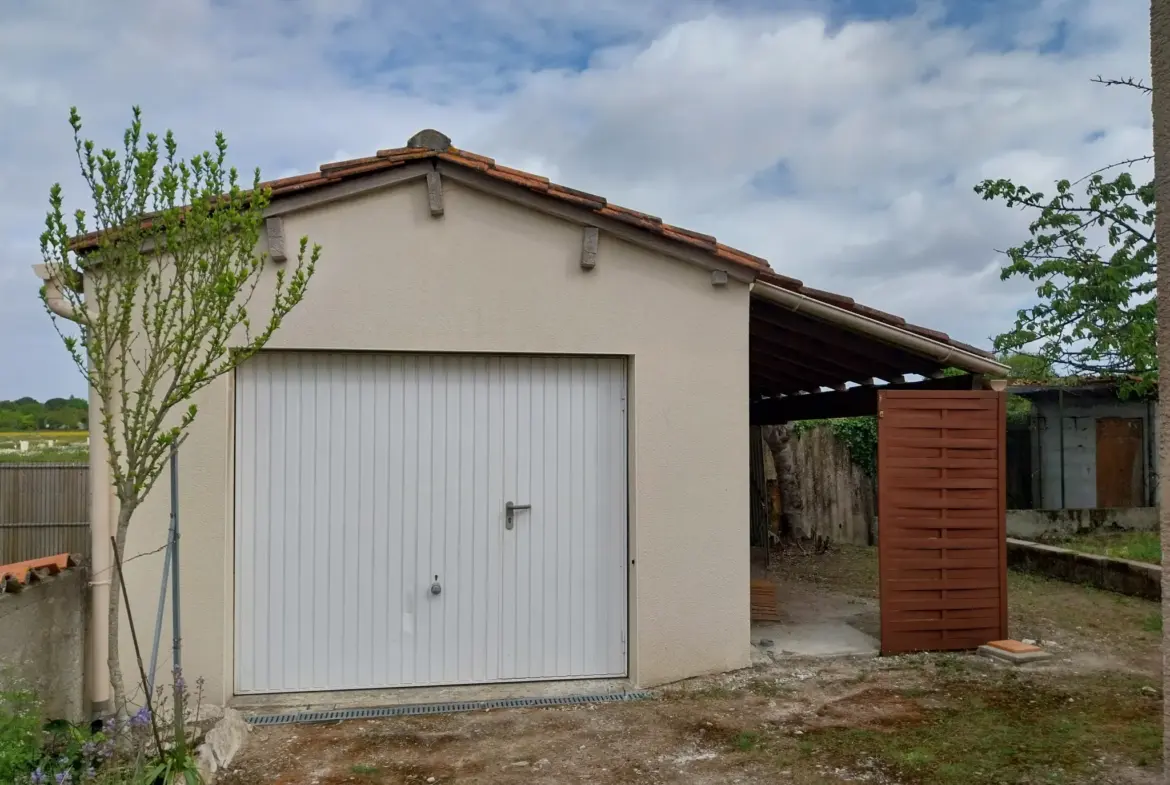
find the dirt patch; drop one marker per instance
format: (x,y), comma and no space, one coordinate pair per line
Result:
(872,708)
(1090,716)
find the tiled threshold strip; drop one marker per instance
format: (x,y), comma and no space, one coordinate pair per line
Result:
(335,715)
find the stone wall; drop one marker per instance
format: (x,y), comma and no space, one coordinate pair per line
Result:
(42,643)
(1136,579)
(1059,524)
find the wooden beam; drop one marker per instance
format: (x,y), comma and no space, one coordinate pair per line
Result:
(854,402)
(807,352)
(845,343)
(770,382)
(274,228)
(590,240)
(762,355)
(435,194)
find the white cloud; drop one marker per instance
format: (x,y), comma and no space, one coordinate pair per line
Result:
(875,132)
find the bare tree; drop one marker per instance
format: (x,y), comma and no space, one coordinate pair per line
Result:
(779,441)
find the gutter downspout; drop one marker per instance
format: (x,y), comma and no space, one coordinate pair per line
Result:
(100,504)
(936,351)
(1060,416)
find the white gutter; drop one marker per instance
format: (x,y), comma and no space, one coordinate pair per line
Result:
(57,301)
(943,354)
(100,504)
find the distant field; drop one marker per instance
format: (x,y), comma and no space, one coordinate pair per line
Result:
(44,446)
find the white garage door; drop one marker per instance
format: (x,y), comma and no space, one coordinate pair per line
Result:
(373,543)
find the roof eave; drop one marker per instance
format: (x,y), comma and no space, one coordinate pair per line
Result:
(945,354)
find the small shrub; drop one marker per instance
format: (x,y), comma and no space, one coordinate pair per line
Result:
(20,734)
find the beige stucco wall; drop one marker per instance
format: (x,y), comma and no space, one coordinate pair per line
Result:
(492,276)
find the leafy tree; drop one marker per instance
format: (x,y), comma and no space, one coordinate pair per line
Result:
(169,264)
(1092,256)
(28,414)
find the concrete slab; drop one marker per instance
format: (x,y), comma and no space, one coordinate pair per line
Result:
(815,639)
(1014,652)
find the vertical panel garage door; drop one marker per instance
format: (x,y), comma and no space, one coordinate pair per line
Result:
(374,547)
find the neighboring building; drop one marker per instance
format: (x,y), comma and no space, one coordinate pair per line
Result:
(1088,446)
(505,439)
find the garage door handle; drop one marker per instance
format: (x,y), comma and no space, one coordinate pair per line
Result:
(510,512)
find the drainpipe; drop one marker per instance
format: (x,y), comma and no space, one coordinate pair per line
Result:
(1151,456)
(56,300)
(1060,416)
(100,504)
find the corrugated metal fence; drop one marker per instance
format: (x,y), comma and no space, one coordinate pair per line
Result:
(44,510)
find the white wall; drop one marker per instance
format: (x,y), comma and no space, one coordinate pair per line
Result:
(491,276)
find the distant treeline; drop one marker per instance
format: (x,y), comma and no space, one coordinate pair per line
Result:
(55,414)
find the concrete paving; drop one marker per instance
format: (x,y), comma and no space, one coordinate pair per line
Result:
(833,638)
(816,623)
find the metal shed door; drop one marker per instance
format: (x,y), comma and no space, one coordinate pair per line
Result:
(942,532)
(373,543)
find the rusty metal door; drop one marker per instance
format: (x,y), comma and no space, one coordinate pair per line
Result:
(1119,462)
(942,545)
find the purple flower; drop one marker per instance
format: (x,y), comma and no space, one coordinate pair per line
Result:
(88,750)
(64,778)
(141,718)
(90,773)
(180,684)
(38,777)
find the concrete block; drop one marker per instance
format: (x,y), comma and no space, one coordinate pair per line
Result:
(1014,652)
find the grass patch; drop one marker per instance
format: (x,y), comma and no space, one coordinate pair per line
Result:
(44,447)
(1152,622)
(1135,546)
(746,741)
(363,769)
(1007,729)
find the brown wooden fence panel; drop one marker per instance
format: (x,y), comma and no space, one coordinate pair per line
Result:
(942,542)
(44,510)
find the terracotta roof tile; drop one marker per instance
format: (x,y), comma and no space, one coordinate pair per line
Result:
(351,171)
(333,172)
(562,191)
(928,333)
(328,167)
(483,159)
(783,281)
(520,173)
(840,300)
(526,181)
(14,577)
(464,161)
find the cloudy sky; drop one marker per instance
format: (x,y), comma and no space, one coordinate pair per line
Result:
(838,138)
